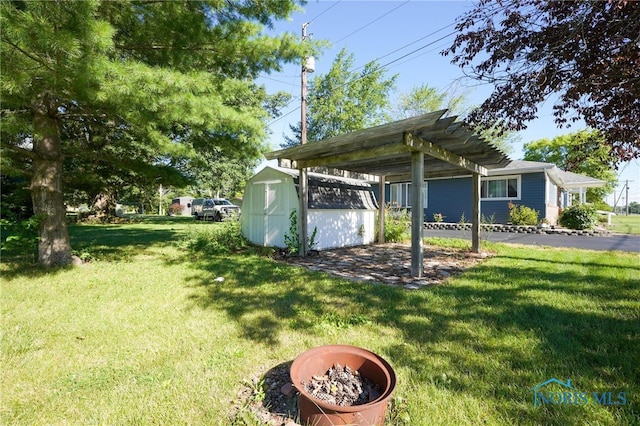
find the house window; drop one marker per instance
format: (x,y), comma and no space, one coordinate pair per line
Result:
(401,194)
(506,188)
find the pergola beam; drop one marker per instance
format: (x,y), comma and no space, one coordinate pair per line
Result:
(433,150)
(348,157)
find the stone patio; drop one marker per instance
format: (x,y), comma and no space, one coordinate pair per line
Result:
(390,264)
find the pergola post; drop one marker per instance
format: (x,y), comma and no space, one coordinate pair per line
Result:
(417,213)
(475,223)
(382,203)
(302,218)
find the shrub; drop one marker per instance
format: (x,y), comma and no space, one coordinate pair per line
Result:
(522,215)
(174,209)
(396,225)
(20,236)
(292,238)
(222,238)
(579,216)
(438,217)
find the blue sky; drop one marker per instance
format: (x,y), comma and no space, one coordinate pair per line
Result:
(409,36)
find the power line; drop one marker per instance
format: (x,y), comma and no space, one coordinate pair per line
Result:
(381,66)
(418,49)
(414,42)
(383,56)
(278,81)
(325,11)
(371,22)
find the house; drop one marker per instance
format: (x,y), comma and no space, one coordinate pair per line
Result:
(540,186)
(342,211)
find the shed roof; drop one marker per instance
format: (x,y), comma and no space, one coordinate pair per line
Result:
(334,192)
(450,149)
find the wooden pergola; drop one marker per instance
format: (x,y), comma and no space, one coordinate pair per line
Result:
(411,150)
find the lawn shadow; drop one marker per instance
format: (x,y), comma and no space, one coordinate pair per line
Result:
(103,242)
(494,321)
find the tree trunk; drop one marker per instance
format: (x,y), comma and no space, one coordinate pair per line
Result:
(54,248)
(104,204)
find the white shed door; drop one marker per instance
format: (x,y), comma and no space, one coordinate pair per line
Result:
(269,221)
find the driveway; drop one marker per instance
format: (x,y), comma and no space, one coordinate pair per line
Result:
(621,242)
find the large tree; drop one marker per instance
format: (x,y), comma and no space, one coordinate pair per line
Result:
(582,152)
(584,55)
(345,100)
(424,99)
(134,84)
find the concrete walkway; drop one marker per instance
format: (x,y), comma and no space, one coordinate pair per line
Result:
(611,242)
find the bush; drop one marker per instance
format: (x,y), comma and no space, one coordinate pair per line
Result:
(174,209)
(522,215)
(396,225)
(579,216)
(20,237)
(292,239)
(215,239)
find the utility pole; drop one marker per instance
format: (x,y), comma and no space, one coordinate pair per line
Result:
(307,66)
(627,195)
(303,92)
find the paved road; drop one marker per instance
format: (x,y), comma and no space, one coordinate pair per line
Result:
(622,242)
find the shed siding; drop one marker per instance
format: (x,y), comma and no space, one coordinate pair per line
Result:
(341,228)
(269,198)
(271,195)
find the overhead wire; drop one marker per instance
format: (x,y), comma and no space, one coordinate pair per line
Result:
(371,22)
(325,11)
(386,65)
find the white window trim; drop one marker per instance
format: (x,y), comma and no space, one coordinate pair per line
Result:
(519,185)
(403,189)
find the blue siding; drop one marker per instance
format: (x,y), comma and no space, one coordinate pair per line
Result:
(452,198)
(533,191)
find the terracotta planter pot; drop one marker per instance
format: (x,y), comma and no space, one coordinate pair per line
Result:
(317,361)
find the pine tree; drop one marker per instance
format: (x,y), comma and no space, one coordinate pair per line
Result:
(130,85)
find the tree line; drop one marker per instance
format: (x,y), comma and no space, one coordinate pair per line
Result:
(104,100)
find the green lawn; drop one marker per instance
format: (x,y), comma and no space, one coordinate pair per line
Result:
(626,224)
(144,334)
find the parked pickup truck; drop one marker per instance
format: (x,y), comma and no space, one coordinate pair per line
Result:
(214,209)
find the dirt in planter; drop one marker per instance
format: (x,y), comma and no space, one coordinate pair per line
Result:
(342,386)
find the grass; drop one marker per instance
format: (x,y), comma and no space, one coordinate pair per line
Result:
(626,224)
(145,334)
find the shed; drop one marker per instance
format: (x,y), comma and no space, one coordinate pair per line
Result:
(342,210)
(182,205)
